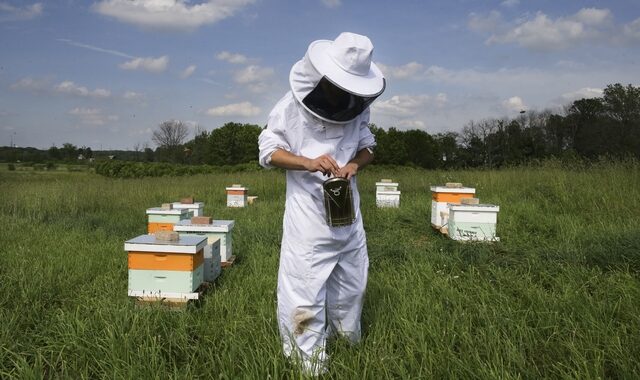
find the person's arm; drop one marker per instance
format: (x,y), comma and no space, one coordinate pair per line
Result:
(362,159)
(287,160)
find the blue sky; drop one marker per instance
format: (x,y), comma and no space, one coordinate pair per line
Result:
(105,73)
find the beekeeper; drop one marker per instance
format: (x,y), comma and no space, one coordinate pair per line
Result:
(317,130)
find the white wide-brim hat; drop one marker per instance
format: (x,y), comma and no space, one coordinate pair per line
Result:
(347,63)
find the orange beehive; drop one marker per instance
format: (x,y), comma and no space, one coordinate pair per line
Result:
(163,219)
(165,268)
(165,261)
(442,196)
(155,227)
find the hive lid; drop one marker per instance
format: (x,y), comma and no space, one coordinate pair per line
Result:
(162,211)
(215,226)
(189,206)
(237,187)
(474,208)
(387,184)
(453,190)
(149,243)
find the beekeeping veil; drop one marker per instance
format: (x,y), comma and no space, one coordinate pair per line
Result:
(336,80)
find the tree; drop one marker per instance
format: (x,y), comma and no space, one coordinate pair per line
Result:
(170,134)
(622,107)
(69,152)
(234,143)
(169,137)
(587,127)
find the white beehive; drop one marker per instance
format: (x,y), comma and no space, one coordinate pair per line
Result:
(473,222)
(237,196)
(218,229)
(212,266)
(388,199)
(194,209)
(385,185)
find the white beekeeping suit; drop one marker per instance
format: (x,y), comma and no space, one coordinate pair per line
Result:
(323,270)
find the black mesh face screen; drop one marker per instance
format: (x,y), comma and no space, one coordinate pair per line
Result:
(333,103)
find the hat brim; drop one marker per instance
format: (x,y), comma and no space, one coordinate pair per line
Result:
(368,85)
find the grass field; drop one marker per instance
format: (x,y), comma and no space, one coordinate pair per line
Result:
(558,297)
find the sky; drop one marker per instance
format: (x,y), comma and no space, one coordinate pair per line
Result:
(105,73)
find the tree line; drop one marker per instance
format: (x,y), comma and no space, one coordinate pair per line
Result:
(586,128)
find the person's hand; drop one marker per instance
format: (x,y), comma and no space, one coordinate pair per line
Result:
(324,164)
(349,170)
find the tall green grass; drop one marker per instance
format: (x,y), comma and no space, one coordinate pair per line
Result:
(558,296)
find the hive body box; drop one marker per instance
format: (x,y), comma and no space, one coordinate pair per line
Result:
(386,186)
(212,266)
(236,196)
(387,194)
(171,269)
(441,196)
(218,229)
(194,209)
(473,222)
(388,199)
(163,219)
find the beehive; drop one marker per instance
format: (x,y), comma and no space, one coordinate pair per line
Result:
(237,196)
(441,196)
(172,269)
(194,209)
(388,199)
(385,185)
(218,229)
(163,219)
(473,222)
(212,266)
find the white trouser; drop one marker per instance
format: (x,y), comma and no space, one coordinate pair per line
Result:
(320,292)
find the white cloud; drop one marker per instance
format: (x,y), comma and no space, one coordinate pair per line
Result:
(583,93)
(544,33)
(594,16)
(411,124)
(408,70)
(70,88)
(510,3)
(244,109)
(234,58)
(332,3)
(9,12)
(632,30)
(408,105)
(186,73)
(31,84)
(488,23)
(256,78)
(252,73)
(170,14)
(133,96)
(514,104)
(92,116)
(150,64)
